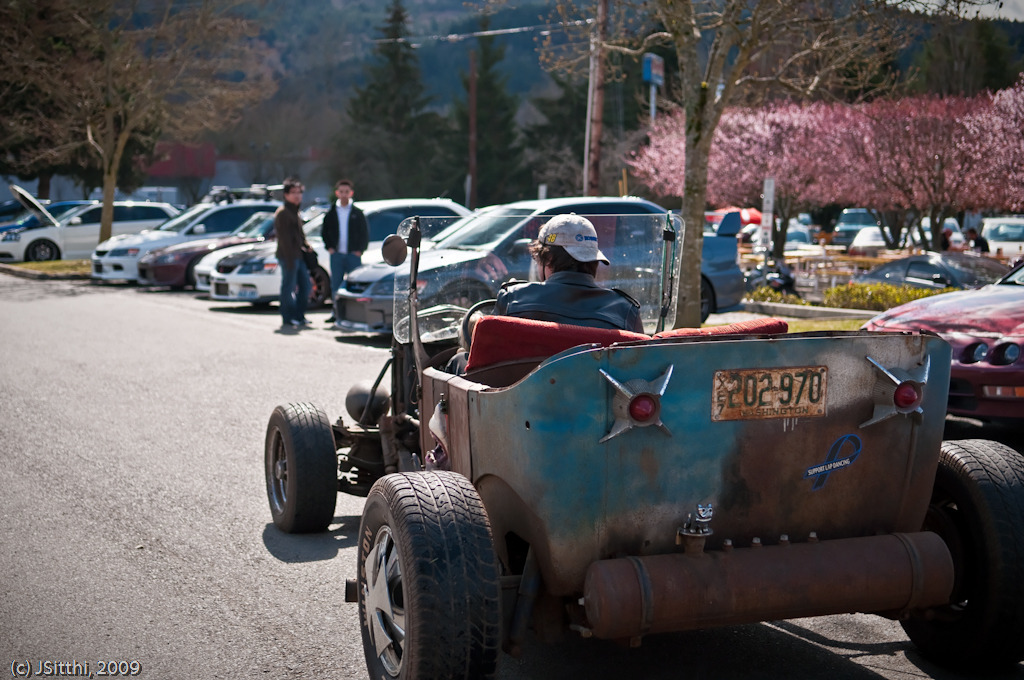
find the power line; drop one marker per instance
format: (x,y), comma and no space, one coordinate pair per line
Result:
(543,29)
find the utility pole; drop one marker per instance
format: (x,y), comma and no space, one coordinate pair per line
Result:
(595,104)
(471,96)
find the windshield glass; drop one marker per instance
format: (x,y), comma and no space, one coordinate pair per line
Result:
(635,245)
(1005,231)
(977,271)
(178,223)
(480,229)
(258,225)
(1015,277)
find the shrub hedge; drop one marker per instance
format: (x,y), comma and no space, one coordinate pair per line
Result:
(876,297)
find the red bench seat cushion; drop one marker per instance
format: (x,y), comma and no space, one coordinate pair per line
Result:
(506,338)
(766,326)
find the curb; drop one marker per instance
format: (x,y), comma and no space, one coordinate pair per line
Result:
(23,273)
(806,311)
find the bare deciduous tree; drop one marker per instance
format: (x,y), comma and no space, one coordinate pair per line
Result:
(737,51)
(110,69)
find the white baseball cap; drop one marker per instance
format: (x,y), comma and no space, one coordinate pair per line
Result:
(576,234)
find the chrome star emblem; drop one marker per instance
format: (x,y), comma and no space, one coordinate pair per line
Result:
(637,403)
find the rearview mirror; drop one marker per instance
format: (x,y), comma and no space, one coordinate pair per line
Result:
(394,250)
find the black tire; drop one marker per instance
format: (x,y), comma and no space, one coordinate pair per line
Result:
(301,468)
(429,587)
(320,293)
(707,299)
(190,273)
(42,251)
(977,507)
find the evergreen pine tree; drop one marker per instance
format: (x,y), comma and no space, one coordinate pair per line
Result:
(392,137)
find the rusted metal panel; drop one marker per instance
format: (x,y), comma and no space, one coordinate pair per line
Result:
(633,596)
(766,477)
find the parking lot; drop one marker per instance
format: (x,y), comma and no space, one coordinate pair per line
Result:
(136,524)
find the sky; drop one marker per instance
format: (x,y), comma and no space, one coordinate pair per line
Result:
(1012,9)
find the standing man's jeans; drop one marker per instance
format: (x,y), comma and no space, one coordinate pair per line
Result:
(341,264)
(295,289)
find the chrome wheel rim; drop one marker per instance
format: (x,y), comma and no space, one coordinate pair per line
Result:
(384,601)
(277,474)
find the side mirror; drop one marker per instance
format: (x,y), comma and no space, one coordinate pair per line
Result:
(940,279)
(394,250)
(75,221)
(199,229)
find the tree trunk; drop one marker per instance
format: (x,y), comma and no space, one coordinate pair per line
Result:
(43,185)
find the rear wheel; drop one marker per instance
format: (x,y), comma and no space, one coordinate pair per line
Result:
(977,508)
(301,468)
(429,589)
(42,251)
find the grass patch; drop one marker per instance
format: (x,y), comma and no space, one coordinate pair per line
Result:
(81,267)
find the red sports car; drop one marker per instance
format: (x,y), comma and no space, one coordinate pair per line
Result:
(986,330)
(174,265)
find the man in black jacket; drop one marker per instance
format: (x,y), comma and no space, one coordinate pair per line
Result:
(346,236)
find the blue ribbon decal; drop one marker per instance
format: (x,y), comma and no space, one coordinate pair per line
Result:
(833,462)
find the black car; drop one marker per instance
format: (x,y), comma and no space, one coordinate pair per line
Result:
(937,271)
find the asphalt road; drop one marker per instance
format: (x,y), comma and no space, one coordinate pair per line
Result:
(135,525)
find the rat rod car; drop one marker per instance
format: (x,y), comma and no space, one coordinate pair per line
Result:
(619,484)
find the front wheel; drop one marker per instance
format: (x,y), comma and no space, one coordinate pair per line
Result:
(977,507)
(42,250)
(429,590)
(320,292)
(301,468)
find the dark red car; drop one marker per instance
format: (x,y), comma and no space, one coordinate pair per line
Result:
(985,327)
(174,265)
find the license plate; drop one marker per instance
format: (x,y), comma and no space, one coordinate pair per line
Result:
(763,393)
(247,293)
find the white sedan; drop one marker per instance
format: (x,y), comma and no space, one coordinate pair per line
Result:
(77,231)
(118,258)
(253,276)
(1005,236)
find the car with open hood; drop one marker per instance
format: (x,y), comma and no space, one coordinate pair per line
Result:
(75,234)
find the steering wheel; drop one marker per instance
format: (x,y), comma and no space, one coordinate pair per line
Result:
(466,330)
